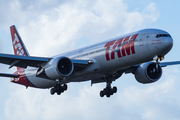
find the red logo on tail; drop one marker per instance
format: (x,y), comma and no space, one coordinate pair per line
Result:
(17,43)
(18,49)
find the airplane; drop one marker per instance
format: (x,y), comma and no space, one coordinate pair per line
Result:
(138,53)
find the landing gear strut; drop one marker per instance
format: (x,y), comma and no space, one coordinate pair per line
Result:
(108,91)
(58,89)
(157,58)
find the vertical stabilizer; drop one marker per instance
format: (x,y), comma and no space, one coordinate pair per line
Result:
(18,45)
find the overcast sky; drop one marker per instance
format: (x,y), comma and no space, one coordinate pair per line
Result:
(53,27)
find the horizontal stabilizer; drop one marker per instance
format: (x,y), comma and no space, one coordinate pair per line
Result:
(9,75)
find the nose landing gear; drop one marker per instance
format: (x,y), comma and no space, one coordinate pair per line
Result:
(157,58)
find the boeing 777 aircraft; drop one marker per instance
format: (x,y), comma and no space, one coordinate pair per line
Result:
(138,53)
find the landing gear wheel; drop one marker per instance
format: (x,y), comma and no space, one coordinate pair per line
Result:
(111,92)
(52,91)
(65,87)
(108,95)
(58,93)
(62,90)
(58,89)
(102,93)
(108,91)
(114,89)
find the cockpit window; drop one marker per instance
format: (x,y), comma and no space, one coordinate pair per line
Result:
(162,35)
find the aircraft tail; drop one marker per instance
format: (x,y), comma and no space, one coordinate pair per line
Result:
(18,45)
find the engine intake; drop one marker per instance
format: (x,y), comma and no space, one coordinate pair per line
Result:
(59,67)
(148,72)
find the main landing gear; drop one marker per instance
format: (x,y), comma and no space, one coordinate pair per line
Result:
(108,91)
(58,89)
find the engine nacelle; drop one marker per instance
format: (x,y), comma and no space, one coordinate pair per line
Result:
(148,72)
(59,68)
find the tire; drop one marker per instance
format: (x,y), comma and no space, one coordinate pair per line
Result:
(58,88)
(104,91)
(108,95)
(65,87)
(114,89)
(111,91)
(101,93)
(55,89)
(62,90)
(52,91)
(58,93)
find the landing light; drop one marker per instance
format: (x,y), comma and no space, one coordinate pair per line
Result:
(161,58)
(90,62)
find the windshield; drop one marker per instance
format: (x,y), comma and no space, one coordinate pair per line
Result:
(162,35)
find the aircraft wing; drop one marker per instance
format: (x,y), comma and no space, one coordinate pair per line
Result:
(24,61)
(164,64)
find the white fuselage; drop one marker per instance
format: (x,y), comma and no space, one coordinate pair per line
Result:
(110,56)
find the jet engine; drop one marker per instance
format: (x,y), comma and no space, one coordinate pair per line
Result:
(59,67)
(148,72)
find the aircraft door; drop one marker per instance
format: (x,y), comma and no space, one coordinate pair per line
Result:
(142,48)
(142,40)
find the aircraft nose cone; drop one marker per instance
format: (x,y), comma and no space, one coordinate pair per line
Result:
(169,43)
